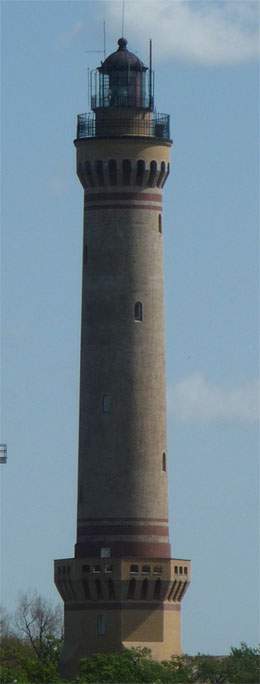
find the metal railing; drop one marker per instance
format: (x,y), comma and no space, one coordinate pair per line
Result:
(157,126)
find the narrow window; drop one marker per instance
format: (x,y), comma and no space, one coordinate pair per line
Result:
(140,172)
(107,403)
(134,569)
(180,570)
(131,589)
(185,570)
(176,569)
(101,625)
(100,172)
(138,311)
(157,590)
(112,171)
(161,174)
(85,254)
(157,570)
(164,462)
(152,174)
(160,223)
(144,589)
(86,589)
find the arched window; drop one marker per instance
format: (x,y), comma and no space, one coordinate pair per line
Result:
(164,462)
(131,589)
(160,223)
(152,174)
(99,589)
(161,174)
(111,589)
(138,311)
(140,172)
(100,172)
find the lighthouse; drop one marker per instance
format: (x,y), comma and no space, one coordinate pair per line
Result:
(122,589)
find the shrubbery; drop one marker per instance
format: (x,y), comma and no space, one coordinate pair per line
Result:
(30,653)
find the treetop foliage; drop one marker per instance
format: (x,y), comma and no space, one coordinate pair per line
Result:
(31,646)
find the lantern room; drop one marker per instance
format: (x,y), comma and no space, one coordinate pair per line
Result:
(122,80)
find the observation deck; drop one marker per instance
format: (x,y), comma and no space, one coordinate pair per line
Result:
(116,123)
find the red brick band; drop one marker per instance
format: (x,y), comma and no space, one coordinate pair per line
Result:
(127,520)
(124,549)
(125,206)
(121,605)
(161,531)
(92,196)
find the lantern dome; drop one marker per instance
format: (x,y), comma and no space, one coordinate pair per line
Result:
(122,60)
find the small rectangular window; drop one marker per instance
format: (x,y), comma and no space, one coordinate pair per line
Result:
(146,569)
(105,552)
(160,223)
(134,569)
(185,570)
(180,570)
(157,570)
(101,625)
(107,403)
(176,569)
(109,568)
(85,568)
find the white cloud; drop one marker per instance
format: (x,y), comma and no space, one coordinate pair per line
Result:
(210,32)
(65,39)
(195,399)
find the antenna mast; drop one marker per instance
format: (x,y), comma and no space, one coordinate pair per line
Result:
(123,18)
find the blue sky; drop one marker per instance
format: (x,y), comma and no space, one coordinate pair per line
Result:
(205,57)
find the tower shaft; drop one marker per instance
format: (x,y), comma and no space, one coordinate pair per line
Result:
(122,589)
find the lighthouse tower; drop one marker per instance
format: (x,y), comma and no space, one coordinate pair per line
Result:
(122,589)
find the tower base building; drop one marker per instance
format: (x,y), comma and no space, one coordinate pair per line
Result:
(122,589)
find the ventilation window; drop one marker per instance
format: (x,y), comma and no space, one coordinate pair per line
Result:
(157,589)
(107,403)
(185,570)
(112,171)
(126,172)
(134,569)
(144,589)
(101,625)
(176,569)
(146,569)
(157,570)
(131,589)
(138,311)
(85,568)
(160,223)
(164,462)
